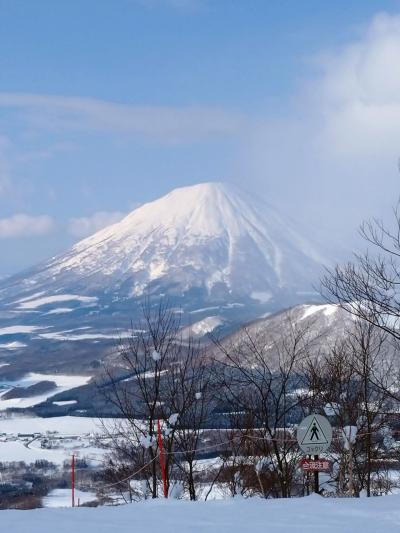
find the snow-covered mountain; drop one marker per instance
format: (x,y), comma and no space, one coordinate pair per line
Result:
(316,327)
(208,236)
(212,249)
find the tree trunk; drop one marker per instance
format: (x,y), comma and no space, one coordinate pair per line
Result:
(192,490)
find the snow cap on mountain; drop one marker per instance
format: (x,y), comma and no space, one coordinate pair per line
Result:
(209,237)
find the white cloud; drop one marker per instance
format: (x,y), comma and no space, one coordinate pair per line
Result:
(167,124)
(22,225)
(84,226)
(332,158)
(360,92)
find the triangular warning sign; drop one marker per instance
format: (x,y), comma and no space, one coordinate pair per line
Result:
(314,434)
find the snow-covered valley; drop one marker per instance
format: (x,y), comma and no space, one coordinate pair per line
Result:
(31,439)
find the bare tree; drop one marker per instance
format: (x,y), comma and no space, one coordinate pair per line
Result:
(136,393)
(369,287)
(368,357)
(187,402)
(165,377)
(258,379)
(342,386)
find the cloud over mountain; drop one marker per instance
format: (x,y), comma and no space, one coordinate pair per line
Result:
(22,225)
(336,146)
(161,123)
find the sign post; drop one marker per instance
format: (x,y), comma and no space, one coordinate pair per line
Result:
(316,478)
(314,436)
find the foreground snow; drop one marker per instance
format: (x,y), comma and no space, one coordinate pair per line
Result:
(309,515)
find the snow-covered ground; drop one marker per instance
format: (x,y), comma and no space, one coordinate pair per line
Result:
(65,435)
(19,329)
(33,303)
(326,309)
(204,326)
(11,451)
(63,383)
(66,425)
(15,345)
(303,515)
(62,498)
(77,336)
(43,332)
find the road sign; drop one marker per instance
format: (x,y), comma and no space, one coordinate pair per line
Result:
(316,465)
(314,434)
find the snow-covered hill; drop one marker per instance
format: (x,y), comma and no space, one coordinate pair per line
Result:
(319,326)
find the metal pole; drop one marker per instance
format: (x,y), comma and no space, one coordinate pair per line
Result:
(308,478)
(316,477)
(162,462)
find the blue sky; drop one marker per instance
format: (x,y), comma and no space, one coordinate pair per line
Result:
(105,104)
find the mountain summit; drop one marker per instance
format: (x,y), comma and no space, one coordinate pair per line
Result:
(220,256)
(208,238)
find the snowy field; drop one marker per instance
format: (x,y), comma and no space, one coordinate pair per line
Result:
(63,383)
(66,425)
(62,498)
(69,435)
(303,515)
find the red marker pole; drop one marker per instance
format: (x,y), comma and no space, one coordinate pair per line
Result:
(162,462)
(73,480)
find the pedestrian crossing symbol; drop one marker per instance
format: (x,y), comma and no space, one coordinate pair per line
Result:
(314,434)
